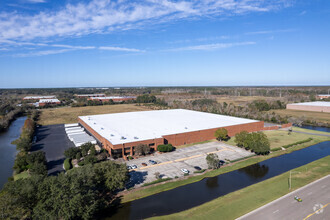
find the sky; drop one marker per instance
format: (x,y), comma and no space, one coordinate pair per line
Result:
(105,43)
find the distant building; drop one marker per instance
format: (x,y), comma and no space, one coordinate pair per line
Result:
(113,98)
(43,102)
(90,95)
(310,106)
(120,133)
(39,97)
(323,96)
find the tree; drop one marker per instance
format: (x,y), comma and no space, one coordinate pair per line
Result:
(221,134)
(213,161)
(72,152)
(257,142)
(142,149)
(240,138)
(90,159)
(157,175)
(78,156)
(67,164)
(92,150)
(85,148)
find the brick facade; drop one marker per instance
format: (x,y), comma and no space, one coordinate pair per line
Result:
(174,139)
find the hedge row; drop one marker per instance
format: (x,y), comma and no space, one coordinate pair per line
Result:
(165,148)
(200,171)
(298,142)
(276,149)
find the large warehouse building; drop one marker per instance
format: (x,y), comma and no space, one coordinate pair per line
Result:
(119,133)
(310,106)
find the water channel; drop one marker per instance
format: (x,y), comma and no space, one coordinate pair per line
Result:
(8,150)
(195,194)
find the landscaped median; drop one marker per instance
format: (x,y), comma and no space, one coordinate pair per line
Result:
(171,184)
(238,203)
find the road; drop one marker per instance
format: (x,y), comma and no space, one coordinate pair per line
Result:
(314,195)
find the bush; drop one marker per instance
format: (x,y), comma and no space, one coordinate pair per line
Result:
(157,181)
(67,164)
(240,138)
(298,142)
(165,148)
(72,152)
(81,163)
(186,174)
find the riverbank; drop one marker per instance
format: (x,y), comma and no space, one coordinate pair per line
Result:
(139,193)
(238,203)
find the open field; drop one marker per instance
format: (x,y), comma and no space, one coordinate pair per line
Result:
(69,115)
(279,138)
(238,203)
(239,100)
(312,116)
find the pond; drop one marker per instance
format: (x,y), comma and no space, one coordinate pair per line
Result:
(195,194)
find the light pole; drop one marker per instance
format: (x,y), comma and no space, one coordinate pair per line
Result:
(290,178)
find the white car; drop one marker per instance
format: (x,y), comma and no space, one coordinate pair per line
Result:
(185,170)
(133,166)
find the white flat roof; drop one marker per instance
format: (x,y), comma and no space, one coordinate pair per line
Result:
(114,97)
(48,100)
(40,97)
(128,127)
(323,104)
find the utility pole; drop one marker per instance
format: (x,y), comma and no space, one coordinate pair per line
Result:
(291,178)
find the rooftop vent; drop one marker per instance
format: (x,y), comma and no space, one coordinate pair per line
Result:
(112,135)
(102,128)
(185,128)
(94,123)
(136,138)
(123,138)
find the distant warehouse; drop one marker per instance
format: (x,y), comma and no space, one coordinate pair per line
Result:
(113,98)
(310,106)
(119,133)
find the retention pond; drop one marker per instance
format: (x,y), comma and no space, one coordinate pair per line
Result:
(195,194)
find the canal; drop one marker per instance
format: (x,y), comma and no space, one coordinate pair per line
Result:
(8,150)
(195,194)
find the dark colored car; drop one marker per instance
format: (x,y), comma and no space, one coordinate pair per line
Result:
(152,162)
(222,162)
(197,168)
(144,164)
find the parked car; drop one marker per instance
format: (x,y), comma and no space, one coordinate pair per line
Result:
(185,170)
(222,162)
(197,168)
(129,167)
(144,164)
(133,166)
(152,162)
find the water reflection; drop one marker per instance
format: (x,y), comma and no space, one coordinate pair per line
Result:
(256,171)
(212,182)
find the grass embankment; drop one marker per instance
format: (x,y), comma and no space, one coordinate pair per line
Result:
(70,115)
(22,175)
(147,191)
(312,116)
(238,203)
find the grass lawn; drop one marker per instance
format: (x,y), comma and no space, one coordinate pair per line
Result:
(313,116)
(280,138)
(69,115)
(157,188)
(238,203)
(21,175)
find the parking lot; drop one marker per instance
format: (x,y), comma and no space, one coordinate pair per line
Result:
(53,141)
(170,164)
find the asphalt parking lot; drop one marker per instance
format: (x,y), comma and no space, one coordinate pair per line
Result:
(53,141)
(170,164)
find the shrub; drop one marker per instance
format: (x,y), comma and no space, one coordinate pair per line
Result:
(72,152)
(298,142)
(67,164)
(200,171)
(186,174)
(240,138)
(157,181)
(81,163)
(165,148)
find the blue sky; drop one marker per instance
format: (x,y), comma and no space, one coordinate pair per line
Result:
(70,43)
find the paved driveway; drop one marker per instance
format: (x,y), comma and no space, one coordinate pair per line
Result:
(170,164)
(53,141)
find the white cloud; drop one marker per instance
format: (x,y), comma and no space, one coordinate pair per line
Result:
(42,53)
(99,16)
(35,1)
(121,49)
(270,31)
(210,47)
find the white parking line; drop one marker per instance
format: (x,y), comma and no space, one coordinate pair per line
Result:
(276,211)
(310,193)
